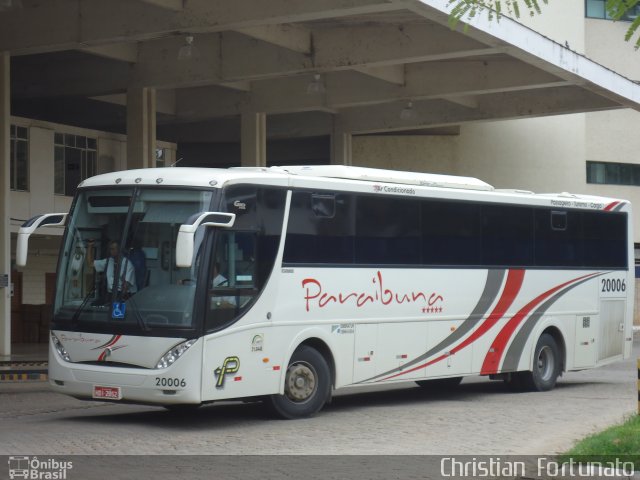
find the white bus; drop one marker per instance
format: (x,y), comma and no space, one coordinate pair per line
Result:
(184,286)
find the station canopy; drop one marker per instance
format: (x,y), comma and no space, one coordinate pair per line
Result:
(366,66)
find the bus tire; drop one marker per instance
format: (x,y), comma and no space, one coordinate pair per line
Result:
(307,385)
(546,367)
(440,383)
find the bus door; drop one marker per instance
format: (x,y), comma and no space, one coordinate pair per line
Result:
(612,319)
(613,306)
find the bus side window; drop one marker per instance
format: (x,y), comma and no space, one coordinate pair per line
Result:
(241,200)
(232,277)
(387,231)
(558,241)
(317,233)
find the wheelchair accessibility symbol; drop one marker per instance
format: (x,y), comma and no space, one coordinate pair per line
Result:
(118,310)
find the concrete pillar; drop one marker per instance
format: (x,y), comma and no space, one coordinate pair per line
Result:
(141,127)
(253,139)
(340,146)
(5,234)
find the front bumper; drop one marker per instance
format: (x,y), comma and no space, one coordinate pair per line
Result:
(178,384)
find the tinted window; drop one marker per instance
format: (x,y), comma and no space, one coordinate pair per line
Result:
(242,200)
(605,239)
(260,210)
(387,231)
(558,239)
(507,235)
(270,211)
(313,237)
(450,233)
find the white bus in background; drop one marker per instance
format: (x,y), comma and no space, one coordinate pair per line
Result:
(288,283)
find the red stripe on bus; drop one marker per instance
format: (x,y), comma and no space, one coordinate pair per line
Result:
(111,341)
(510,292)
(494,355)
(611,206)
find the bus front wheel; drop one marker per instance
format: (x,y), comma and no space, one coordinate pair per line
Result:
(307,385)
(546,367)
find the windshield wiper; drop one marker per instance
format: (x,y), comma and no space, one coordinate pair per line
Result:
(76,314)
(139,319)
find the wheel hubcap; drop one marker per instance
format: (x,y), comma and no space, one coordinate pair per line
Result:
(300,383)
(545,363)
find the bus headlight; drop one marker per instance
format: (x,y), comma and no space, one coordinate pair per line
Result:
(60,348)
(174,354)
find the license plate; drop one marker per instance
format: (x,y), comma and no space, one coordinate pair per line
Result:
(107,393)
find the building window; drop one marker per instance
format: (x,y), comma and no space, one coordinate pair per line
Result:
(75,159)
(19,159)
(598,9)
(613,173)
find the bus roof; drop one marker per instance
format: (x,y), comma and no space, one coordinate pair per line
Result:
(204,177)
(389,176)
(320,174)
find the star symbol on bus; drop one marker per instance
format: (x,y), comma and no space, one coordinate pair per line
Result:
(432,310)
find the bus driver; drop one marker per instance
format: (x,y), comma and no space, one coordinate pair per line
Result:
(127,283)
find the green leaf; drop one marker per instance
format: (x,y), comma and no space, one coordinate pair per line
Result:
(494,8)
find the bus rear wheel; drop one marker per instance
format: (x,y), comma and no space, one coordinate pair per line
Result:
(307,385)
(546,367)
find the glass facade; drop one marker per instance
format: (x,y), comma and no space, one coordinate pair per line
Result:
(610,173)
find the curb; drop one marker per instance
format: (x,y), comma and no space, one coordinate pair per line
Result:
(24,371)
(37,376)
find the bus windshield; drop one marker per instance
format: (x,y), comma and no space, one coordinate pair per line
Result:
(117,271)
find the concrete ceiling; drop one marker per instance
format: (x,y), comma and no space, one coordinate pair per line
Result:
(73,60)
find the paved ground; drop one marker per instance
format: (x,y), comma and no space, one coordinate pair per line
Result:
(480,417)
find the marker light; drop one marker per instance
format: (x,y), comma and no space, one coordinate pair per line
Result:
(174,354)
(60,348)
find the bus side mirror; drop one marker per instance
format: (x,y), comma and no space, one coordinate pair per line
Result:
(186,234)
(30,226)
